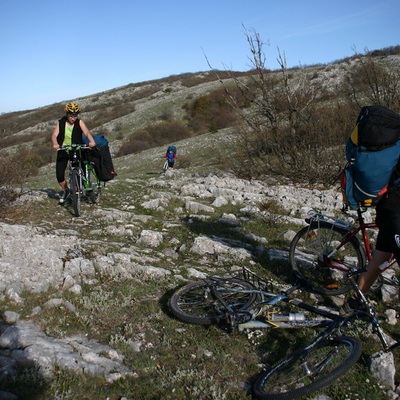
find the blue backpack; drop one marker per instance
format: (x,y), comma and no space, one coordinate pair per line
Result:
(171,148)
(100,157)
(372,152)
(100,140)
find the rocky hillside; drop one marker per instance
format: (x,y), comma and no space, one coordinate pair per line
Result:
(118,112)
(122,110)
(84,301)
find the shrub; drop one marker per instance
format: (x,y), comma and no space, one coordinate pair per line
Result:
(295,129)
(13,172)
(168,131)
(211,112)
(16,167)
(163,133)
(374,82)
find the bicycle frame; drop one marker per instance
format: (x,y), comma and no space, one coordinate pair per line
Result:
(329,355)
(84,185)
(370,313)
(76,162)
(361,229)
(83,173)
(262,315)
(324,359)
(331,321)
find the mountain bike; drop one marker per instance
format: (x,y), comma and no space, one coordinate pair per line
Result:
(169,163)
(322,253)
(240,301)
(83,181)
(244,301)
(165,166)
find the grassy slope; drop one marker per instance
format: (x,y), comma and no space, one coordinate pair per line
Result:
(176,361)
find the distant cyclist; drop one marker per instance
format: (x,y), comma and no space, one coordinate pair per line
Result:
(170,155)
(68,130)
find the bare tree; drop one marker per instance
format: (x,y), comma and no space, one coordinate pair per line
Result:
(374,80)
(284,130)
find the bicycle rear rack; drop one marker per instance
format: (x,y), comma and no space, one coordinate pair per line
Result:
(249,276)
(318,216)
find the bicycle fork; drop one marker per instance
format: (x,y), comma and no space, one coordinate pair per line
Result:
(376,328)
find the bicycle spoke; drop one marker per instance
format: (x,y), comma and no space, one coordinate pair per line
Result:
(308,370)
(75,193)
(319,258)
(196,303)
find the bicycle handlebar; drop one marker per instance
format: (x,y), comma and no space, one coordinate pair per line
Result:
(75,147)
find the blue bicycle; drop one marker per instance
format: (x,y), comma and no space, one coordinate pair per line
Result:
(245,301)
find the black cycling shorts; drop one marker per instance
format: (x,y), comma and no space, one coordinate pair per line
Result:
(388,239)
(61,165)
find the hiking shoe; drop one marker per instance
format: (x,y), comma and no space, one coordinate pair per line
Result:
(349,307)
(64,196)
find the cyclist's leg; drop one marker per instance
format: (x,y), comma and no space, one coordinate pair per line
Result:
(368,278)
(389,229)
(61,165)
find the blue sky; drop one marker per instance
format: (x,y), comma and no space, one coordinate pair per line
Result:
(56,50)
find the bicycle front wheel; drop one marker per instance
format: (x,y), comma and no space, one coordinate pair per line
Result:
(195,303)
(321,261)
(75,193)
(308,370)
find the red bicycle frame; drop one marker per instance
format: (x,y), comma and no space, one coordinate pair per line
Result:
(362,228)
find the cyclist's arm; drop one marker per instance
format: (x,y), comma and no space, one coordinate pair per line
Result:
(87,133)
(54,137)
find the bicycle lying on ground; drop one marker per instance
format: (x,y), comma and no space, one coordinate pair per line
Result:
(244,301)
(322,253)
(83,181)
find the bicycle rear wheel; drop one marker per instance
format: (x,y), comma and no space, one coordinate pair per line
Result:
(165,166)
(75,193)
(95,185)
(195,303)
(310,263)
(308,370)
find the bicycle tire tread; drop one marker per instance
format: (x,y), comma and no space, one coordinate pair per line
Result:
(354,353)
(190,300)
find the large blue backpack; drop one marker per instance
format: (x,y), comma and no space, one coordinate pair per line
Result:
(171,148)
(372,152)
(100,157)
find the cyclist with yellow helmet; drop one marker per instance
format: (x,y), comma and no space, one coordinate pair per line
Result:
(68,130)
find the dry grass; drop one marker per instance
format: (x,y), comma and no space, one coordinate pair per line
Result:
(177,361)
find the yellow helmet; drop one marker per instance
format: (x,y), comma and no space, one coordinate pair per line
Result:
(72,108)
